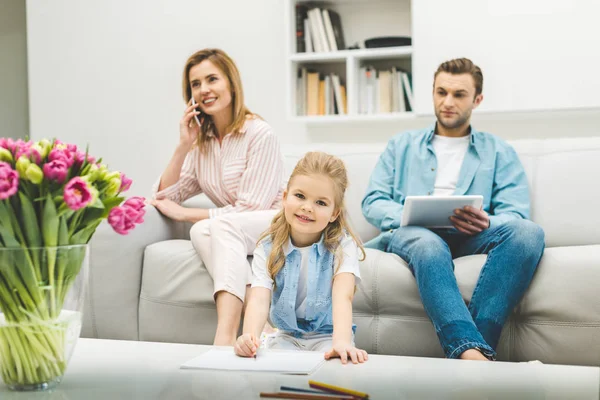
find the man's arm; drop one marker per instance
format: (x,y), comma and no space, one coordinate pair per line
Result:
(378,205)
(510,193)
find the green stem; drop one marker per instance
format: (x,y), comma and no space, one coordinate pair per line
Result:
(8,374)
(14,349)
(51,262)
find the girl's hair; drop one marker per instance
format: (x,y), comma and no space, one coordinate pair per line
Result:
(226,65)
(315,163)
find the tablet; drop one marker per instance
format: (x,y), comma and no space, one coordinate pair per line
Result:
(435,211)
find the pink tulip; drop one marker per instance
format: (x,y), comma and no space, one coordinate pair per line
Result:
(56,170)
(9,181)
(30,153)
(125,183)
(7,143)
(59,144)
(135,202)
(119,221)
(80,156)
(77,194)
(62,154)
(124,218)
(14,145)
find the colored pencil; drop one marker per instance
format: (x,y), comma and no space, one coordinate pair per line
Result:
(305,396)
(293,389)
(337,389)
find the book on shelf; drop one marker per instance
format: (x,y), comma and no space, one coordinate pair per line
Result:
(322,97)
(384,91)
(301,15)
(337,89)
(336,25)
(328,96)
(308,43)
(318,29)
(320,94)
(312,93)
(407,83)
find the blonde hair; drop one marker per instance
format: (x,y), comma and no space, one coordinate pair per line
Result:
(226,65)
(314,163)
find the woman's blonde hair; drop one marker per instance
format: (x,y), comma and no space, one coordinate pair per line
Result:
(226,65)
(315,163)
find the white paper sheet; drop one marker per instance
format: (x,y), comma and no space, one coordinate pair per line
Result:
(274,361)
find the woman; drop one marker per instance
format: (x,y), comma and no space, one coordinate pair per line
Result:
(233,157)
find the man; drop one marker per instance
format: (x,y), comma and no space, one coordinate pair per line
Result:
(451,157)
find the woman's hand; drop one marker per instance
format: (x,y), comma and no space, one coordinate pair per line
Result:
(188,127)
(246,345)
(345,351)
(170,209)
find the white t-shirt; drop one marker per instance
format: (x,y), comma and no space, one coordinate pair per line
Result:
(450,153)
(261,278)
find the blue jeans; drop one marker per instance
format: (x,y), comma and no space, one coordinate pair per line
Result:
(514,250)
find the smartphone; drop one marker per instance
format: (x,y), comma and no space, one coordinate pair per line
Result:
(197,109)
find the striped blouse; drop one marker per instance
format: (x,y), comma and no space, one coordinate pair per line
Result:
(244,173)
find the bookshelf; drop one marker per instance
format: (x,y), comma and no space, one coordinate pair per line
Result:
(360,20)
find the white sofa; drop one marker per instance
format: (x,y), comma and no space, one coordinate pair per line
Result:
(151,285)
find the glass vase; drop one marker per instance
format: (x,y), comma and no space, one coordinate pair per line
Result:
(42,292)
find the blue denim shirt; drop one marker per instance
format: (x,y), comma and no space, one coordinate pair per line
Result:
(407,167)
(319,317)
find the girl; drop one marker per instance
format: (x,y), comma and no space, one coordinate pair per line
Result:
(306,266)
(231,155)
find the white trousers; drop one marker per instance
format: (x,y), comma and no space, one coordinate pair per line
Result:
(309,342)
(224,244)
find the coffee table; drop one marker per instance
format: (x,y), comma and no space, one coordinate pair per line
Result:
(114,370)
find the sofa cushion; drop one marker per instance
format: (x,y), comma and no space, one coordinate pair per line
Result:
(561,309)
(176,304)
(565,197)
(176,299)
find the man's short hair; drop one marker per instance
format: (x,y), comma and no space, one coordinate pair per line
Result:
(462,66)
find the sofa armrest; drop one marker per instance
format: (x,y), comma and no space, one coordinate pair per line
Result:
(115,275)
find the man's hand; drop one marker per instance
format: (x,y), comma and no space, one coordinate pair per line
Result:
(170,209)
(470,220)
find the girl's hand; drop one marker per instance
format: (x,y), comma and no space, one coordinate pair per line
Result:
(345,351)
(246,345)
(188,128)
(170,209)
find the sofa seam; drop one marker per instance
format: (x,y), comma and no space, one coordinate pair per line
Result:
(552,152)
(376,303)
(171,303)
(401,317)
(568,324)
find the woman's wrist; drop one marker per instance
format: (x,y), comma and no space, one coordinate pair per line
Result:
(194,215)
(182,149)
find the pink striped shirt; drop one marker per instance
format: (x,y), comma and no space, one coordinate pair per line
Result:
(244,173)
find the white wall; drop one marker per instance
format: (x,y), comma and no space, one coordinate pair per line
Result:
(13,70)
(108,73)
(535,54)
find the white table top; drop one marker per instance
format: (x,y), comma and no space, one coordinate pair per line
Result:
(113,370)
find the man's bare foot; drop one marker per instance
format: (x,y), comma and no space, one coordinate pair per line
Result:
(473,354)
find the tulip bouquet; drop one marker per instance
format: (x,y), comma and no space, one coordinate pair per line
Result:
(53,196)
